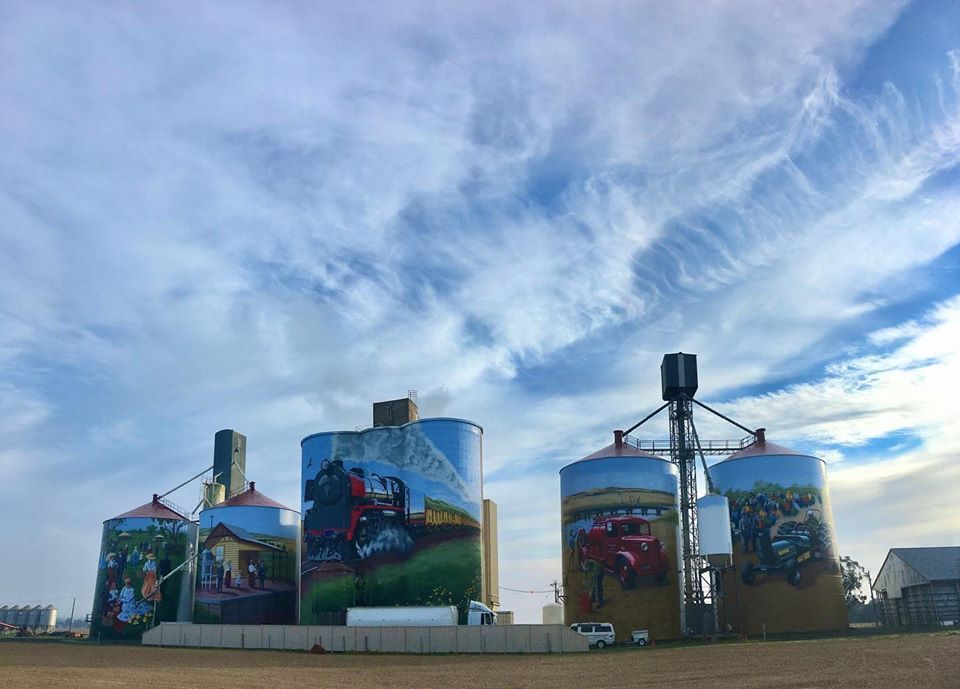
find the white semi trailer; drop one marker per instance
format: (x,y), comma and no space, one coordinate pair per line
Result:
(422,616)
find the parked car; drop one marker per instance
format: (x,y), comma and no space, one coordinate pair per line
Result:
(626,547)
(599,634)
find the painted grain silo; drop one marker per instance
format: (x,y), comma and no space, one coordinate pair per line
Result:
(786,572)
(136,549)
(620,521)
(391,515)
(249,561)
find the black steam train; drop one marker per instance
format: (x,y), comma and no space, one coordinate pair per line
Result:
(355,514)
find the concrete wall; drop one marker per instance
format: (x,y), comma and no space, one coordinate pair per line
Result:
(522,638)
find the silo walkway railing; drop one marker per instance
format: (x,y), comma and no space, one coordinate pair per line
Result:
(709,447)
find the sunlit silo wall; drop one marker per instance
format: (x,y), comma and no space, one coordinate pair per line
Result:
(786,574)
(249,561)
(136,549)
(391,516)
(620,542)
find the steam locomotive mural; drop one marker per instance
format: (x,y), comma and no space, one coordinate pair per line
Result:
(391,516)
(354,514)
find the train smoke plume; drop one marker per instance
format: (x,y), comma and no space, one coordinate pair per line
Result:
(407,449)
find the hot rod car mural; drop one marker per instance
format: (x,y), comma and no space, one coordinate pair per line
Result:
(626,547)
(795,544)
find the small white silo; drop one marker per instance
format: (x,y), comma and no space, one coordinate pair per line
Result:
(553,613)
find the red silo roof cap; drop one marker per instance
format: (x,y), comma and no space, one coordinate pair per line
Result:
(154,509)
(764,447)
(253,497)
(619,449)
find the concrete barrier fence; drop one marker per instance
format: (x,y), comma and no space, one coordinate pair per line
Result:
(515,638)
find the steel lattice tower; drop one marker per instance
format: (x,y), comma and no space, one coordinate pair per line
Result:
(678,374)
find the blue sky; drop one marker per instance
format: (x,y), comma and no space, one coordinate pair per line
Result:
(265,216)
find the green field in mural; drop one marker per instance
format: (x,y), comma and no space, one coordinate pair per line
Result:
(412,581)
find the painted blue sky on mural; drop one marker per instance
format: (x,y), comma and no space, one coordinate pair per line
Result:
(268,215)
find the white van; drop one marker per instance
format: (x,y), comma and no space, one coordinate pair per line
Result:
(598,634)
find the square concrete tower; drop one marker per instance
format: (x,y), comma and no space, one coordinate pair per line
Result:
(230,459)
(395,412)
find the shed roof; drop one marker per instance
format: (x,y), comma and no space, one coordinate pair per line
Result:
(933,564)
(222,530)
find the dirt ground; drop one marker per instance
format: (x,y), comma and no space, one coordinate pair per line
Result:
(930,661)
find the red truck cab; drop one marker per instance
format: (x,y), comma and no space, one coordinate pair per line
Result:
(625,547)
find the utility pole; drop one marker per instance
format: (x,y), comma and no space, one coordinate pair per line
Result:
(557,596)
(72,609)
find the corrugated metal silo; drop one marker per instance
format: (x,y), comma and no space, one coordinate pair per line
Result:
(391,516)
(786,575)
(48,618)
(23,616)
(137,549)
(249,561)
(3,613)
(620,521)
(33,619)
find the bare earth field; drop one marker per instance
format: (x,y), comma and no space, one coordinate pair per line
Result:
(930,661)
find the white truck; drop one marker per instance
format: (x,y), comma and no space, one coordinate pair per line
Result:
(423,616)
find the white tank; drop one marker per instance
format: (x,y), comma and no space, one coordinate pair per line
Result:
(713,525)
(553,613)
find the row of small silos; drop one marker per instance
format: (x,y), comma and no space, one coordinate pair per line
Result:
(36,617)
(621,542)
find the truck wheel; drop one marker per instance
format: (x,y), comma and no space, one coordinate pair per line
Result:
(628,578)
(641,642)
(749,574)
(601,644)
(793,576)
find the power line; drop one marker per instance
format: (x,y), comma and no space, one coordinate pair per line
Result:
(506,588)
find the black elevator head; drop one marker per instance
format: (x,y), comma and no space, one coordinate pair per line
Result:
(678,375)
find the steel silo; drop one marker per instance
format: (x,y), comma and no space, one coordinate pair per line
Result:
(391,516)
(249,561)
(620,540)
(48,619)
(786,573)
(137,549)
